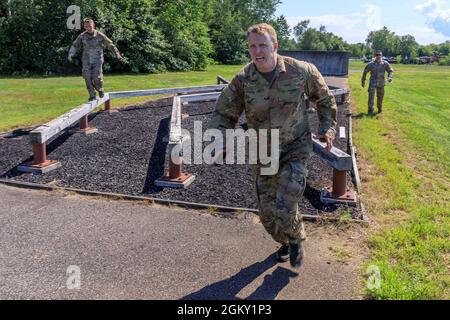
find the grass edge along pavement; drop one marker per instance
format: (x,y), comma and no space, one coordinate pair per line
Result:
(29,101)
(403,156)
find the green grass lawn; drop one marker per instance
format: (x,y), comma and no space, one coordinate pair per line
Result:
(32,101)
(405,167)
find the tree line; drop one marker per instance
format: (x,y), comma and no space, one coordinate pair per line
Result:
(392,45)
(164,35)
(153,35)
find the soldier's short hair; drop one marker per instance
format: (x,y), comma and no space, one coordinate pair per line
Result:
(262,28)
(378,52)
(88,20)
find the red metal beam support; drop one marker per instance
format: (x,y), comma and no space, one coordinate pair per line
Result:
(39,154)
(339,192)
(108,105)
(40,164)
(176,178)
(339,183)
(175,170)
(84,124)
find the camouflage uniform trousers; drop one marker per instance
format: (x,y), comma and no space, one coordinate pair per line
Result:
(278,198)
(380,96)
(93,76)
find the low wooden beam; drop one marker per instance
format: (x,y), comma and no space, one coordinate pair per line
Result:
(152,92)
(175,122)
(211,96)
(221,79)
(52,128)
(336,158)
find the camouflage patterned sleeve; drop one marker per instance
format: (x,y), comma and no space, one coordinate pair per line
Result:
(76,45)
(229,107)
(389,70)
(110,45)
(318,92)
(364,76)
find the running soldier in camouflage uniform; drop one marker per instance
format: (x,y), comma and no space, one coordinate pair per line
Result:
(272,90)
(92,41)
(377,69)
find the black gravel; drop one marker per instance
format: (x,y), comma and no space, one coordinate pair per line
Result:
(129,153)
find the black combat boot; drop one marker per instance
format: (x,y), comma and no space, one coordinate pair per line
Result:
(296,255)
(92,98)
(101,93)
(283,253)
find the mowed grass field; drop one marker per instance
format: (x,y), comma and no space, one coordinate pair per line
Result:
(403,154)
(404,157)
(32,101)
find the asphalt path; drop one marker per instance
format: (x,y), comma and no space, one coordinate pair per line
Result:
(63,246)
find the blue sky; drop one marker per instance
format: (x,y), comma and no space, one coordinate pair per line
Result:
(427,20)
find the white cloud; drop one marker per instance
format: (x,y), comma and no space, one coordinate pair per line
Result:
(423,35)
(355,26)
(438,18)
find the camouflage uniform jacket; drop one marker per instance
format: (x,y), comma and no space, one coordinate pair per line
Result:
(92,45)
(278,105)
(377,71)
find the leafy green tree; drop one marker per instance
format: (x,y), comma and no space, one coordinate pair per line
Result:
(408,47)
(229,23)
(308,38)
(283,30)
(181,22)
(129,23)
(356,50)
(384,40)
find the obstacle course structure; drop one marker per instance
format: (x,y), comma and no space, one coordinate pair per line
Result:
(176,178)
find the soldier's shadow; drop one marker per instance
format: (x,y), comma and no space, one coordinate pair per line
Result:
(362,116)
(228,289)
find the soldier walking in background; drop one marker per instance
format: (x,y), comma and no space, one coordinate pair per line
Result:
(91,42)
(377,69)
(271,90)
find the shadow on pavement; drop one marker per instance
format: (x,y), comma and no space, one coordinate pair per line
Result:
(229,288)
